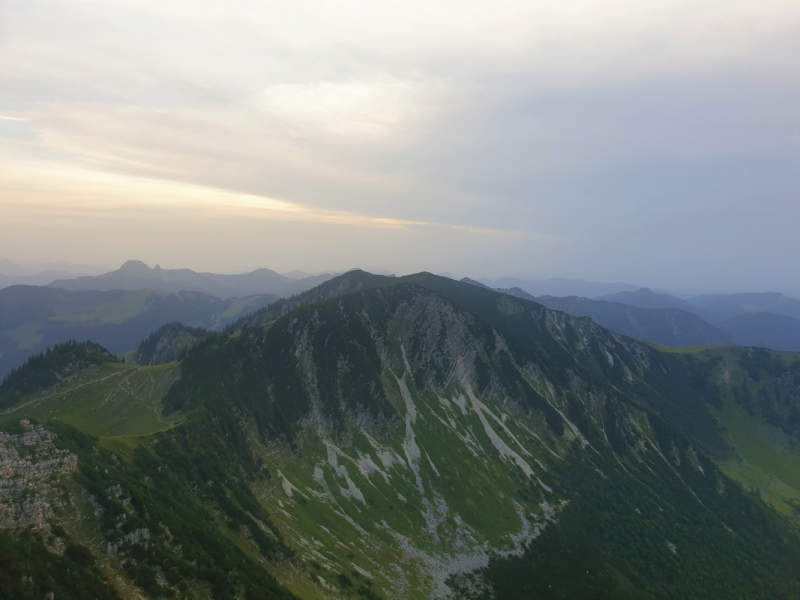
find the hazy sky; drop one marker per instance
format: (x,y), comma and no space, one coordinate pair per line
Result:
(652,142)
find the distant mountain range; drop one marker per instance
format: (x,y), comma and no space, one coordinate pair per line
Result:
(668,326)
(35,318)
(722,319)
(43,278)
(558,286)
(12,269)
(136,275)
(646,298)
(14,274)
(764,329)
(719,307)
(768,319)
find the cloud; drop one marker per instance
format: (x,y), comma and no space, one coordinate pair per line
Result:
(349,109)
(548,125)
(75,191)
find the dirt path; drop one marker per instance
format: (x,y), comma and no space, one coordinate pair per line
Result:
(125,387)
(61,393)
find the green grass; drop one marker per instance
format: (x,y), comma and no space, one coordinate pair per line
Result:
(768,460)
(124,445)
(676,350)
(110,400)
(481,501)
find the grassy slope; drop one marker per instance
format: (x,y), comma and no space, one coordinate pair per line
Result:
(111,400)
(766,458)
(473,498)
(680,350)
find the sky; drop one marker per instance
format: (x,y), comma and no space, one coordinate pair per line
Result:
(656,143)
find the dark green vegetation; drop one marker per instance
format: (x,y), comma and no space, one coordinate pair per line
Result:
(377,436)
(168,343)
(180,489)
(756,396)
(34,318)
(627,535)
(49,368)
(350,282)
(675,391)
(173,518)
(28,570)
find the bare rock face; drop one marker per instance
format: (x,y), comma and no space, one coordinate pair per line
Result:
(31,472)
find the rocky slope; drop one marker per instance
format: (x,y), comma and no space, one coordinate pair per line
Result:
(424,438)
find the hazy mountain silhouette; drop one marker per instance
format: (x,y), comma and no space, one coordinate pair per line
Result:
(558,286)
(136,275)
(668,326)
(767,330)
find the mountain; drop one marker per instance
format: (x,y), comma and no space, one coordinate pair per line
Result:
(770,320)
(12,269)
(668,326)
(135,275)
(413,438)
(35,318)
(719,307)
(297,274)
(352,281)
(646,298)
(13,274)
(168,343)
(764,329)
(43,278)
(473,282)
(558,286)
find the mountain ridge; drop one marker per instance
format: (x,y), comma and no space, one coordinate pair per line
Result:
(430,438)
(34,318)
(136,275)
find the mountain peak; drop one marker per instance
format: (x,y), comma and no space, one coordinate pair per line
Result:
(134,265)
